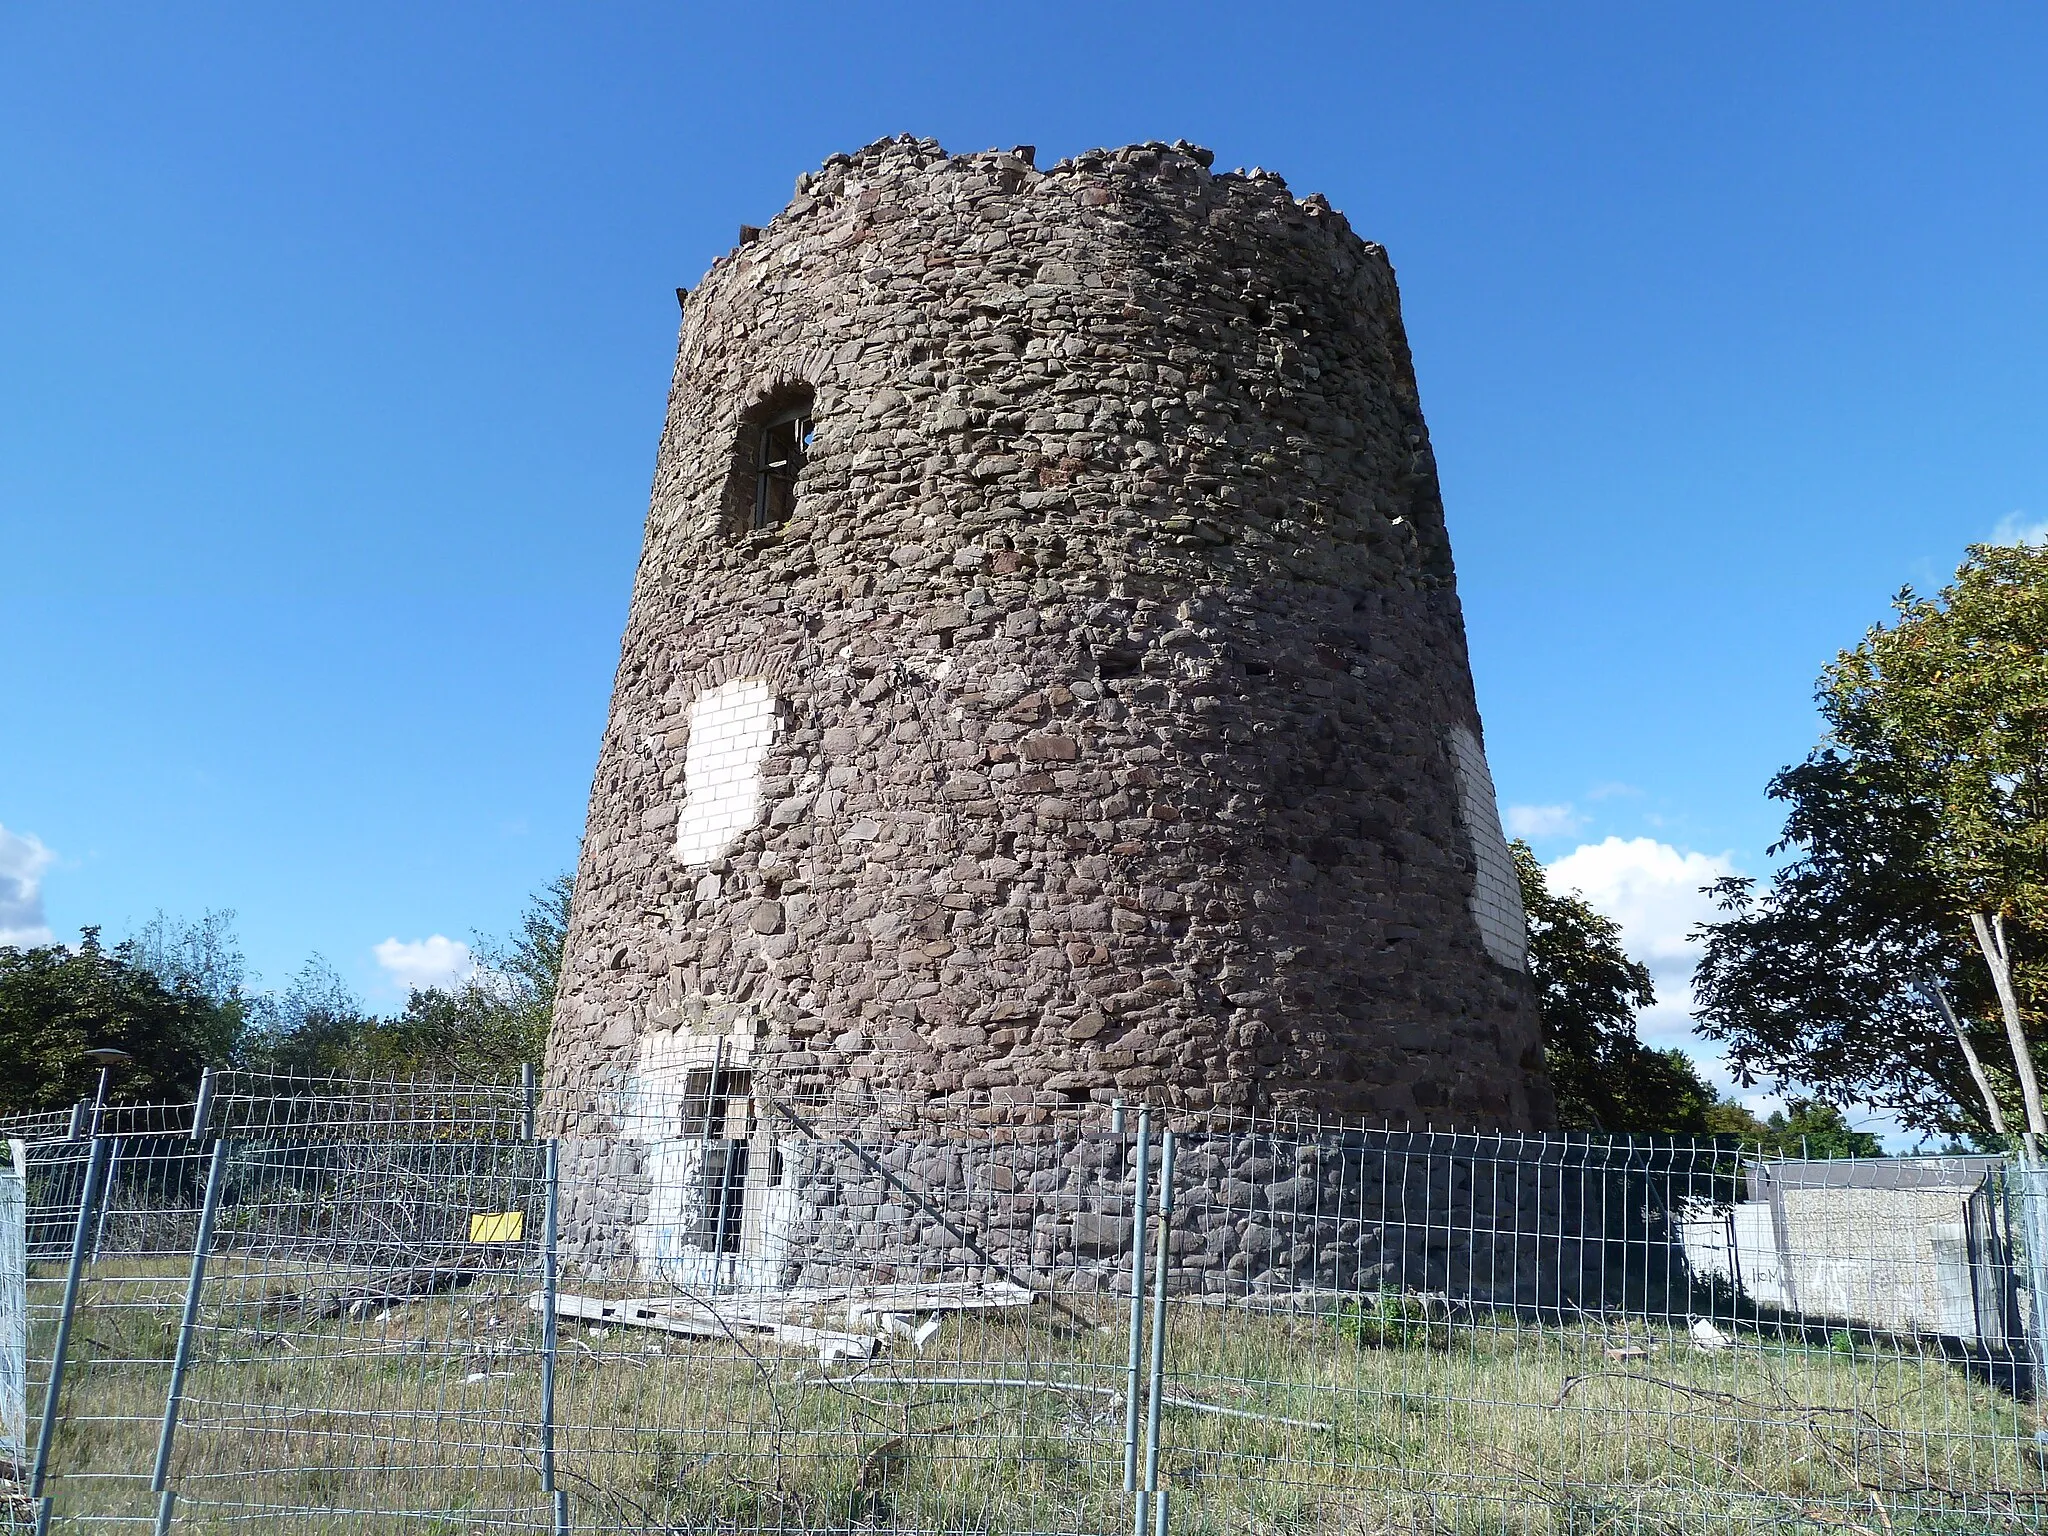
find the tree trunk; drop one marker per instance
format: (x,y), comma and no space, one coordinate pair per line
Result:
(1991,940)
(1940,1000)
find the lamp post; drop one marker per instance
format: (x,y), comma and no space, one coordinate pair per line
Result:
(108,1057)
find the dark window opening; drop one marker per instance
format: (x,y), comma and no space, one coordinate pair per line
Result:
(720,1214)
(781,447)
(717,1108)
(712,1098)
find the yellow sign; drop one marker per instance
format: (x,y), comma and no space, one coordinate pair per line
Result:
(499,1227)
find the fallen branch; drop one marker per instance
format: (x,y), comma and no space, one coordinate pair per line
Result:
(1075,1389)
(1573,1382)
(1244,1413)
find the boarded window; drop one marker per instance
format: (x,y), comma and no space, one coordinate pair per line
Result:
(723,1203)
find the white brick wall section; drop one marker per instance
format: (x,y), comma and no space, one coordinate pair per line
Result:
(730,729)
(1496,890)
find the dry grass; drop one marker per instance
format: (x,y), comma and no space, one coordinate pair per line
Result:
(422,1416)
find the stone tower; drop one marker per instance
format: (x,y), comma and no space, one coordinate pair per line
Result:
(1045,673)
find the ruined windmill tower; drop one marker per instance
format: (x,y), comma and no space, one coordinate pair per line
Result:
(1045,672)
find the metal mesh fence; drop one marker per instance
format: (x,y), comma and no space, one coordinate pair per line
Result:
(13,1319)
(707,1306)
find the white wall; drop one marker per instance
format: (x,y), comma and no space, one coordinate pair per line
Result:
(731,727)
(1496,891)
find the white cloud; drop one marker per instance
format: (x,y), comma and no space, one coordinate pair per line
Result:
(1613,789)
(1543,821)
(1653,891)
(2018,528)
(437,961)
(23,858)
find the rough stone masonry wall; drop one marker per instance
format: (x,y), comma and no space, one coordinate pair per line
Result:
(1276,1216)
(1253,1215)
(1123,740)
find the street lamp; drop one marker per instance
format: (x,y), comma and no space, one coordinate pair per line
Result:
(108,1057)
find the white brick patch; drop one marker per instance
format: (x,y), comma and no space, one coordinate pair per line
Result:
(730,729)
(1496,890)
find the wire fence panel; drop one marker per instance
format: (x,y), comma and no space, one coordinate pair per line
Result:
(366,1343)
(285,1106)
(847,1330)
(712,1306)
(14,1443)
(134,1226)
(1532,1350)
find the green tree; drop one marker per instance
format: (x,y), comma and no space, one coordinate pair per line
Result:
(525,969)
(57,1002)
(1813,1128)
(483,1028)
(1728,1118)
(1588,993)
(310,1029)
(1918,835)
(472,1032)
(1806,1127)
(203,956)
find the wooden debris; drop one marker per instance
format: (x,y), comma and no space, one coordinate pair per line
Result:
(699,1321)
(879,1312)
(863,1302)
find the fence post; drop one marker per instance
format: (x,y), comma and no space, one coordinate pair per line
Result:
(181,1361)
(95,1163)
(202,1109)
(99,1230)
(548,1328)
(1142,1176)
(2031,1180)
(1160,1262)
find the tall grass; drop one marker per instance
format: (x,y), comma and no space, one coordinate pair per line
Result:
(1380,1414)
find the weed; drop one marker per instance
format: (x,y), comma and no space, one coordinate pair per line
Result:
(1396,1320)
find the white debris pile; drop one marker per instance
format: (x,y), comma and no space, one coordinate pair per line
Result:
(875,1314)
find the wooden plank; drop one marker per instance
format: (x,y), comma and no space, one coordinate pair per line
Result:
(976,1296)
(695,1320)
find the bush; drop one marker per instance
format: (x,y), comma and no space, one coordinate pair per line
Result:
(1397,1320)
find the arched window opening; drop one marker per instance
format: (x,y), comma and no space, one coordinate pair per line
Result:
(781,445)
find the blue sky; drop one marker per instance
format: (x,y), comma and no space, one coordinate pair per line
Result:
(333,346)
